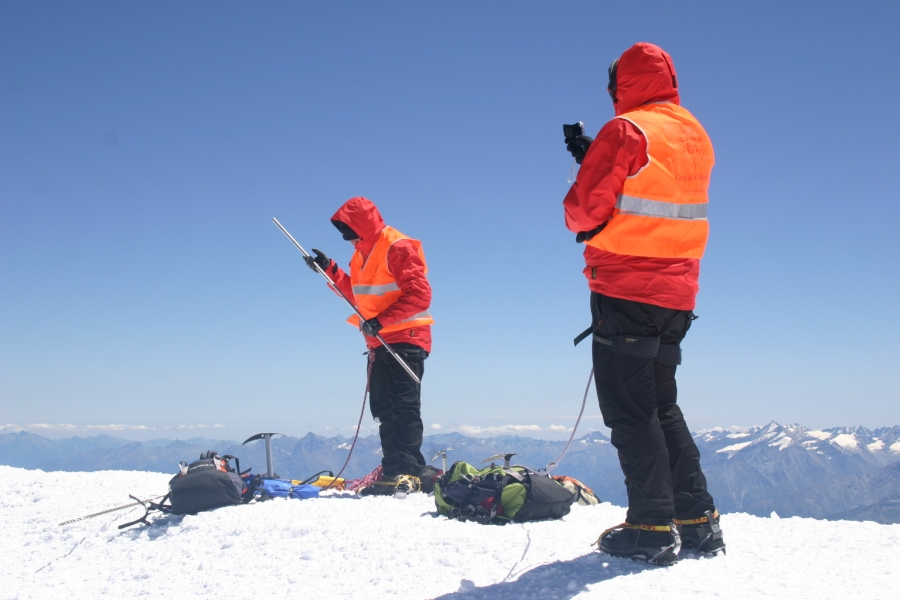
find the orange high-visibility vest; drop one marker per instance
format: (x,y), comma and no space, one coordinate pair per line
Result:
(375,288)
(661,211)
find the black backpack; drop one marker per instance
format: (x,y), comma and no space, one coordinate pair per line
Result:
(205,484)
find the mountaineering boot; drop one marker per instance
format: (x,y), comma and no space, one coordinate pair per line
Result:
(427,476)
(656,544)
(703,535)
(382,487)
(406,485)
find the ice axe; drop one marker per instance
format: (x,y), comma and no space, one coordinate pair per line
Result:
(347,300)
(270,470)
(443,454)
(506,458)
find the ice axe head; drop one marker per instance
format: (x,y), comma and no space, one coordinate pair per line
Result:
(506,458)
(270,469)
(443,454)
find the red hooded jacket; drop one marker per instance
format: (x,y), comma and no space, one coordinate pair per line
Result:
(362,216)
(645,74)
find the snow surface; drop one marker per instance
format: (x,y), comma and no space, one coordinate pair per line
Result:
(344,546)
(846,440)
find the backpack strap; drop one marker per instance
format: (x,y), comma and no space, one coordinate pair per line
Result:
(255,490)
(520,477)
(313,478)
(483,516)
(500,487)
(237,463)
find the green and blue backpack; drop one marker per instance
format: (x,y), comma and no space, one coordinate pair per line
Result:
(499,494)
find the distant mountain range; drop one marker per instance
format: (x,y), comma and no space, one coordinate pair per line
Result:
(840,473)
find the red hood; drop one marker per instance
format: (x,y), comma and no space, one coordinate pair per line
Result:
(362,216)
(645,74)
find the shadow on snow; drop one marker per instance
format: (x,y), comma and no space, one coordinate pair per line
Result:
(560,580)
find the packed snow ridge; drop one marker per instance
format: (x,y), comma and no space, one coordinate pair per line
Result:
(344,546)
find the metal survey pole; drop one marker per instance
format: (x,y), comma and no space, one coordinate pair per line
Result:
(347,300)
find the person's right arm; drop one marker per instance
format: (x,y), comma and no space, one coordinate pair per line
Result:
(341,281)
(619,150)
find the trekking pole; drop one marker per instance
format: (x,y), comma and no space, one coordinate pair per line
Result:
(332,285)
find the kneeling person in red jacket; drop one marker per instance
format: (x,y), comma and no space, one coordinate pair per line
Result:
(388,285)
(639,205)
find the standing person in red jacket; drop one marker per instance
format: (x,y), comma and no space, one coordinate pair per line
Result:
(388,285)
(639,206)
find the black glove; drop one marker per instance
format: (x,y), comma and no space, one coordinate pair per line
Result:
(320,259)
(371,327)
(584,236)
(578,146)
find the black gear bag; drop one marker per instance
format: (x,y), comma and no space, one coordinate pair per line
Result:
(205,484)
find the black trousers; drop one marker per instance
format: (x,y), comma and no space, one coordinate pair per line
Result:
(638,397)
(395,400)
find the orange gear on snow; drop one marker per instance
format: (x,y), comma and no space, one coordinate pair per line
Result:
(661,211)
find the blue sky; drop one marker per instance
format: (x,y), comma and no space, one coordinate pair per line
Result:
(145,147)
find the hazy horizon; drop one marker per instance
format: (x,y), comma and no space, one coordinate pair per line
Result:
(146,435)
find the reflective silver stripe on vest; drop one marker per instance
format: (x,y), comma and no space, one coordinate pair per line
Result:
(375,290)
(422,315)
(654,208)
